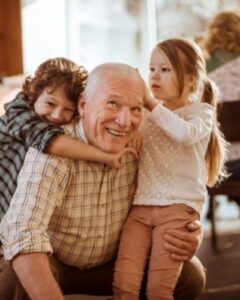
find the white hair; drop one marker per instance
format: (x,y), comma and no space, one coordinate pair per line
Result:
(106,70)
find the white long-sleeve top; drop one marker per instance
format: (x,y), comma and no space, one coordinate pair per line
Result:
(172,166)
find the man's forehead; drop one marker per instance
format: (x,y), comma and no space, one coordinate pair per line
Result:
(123,91)
(127,84)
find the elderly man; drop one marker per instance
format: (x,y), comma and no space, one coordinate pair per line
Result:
(62,230)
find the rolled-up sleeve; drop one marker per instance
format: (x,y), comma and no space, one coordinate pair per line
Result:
(42,184)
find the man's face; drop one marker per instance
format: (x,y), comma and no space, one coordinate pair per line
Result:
(113,113)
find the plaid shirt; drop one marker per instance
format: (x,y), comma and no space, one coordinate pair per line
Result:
(20,128)
(75,209)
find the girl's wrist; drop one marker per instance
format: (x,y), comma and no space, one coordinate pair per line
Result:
(151,103)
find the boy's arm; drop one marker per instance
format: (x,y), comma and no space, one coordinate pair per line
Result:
(66,146)
(25,125)
(136,141)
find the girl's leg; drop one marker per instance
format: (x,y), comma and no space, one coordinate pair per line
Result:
(164,271)
(132,256)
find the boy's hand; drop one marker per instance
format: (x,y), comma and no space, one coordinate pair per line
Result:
(114,160)
(182,245)
(136,141)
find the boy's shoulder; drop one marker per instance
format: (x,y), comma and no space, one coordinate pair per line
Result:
(19,102)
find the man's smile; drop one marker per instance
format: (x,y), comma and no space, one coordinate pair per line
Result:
(116,132)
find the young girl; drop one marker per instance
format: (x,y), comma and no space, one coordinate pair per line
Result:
(48,100)
(183,151)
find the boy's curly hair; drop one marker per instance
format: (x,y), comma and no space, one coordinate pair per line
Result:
(53,73)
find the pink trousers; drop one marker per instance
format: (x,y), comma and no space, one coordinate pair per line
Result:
(142,241)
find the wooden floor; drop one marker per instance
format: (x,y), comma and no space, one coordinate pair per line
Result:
(223,268)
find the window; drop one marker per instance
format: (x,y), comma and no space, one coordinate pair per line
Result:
(95,31)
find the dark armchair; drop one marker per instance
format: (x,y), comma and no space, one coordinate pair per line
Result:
(229,118)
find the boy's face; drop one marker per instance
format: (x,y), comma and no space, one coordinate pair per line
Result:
(55,107)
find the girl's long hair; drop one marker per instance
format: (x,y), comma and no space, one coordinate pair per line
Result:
(187,58)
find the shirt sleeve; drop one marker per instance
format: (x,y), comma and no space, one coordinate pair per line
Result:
(188,130)
(25,125)
(42,184)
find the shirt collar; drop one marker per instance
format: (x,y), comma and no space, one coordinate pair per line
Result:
(80,131)
(75,129)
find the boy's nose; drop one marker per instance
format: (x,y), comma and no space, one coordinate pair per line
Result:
(57,115)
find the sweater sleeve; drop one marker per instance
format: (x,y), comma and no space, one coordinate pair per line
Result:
(25,125)
(189,129)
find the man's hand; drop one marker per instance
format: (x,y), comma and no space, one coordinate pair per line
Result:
(182,245)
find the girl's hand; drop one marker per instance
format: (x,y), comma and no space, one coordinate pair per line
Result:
(114,160)
(136,141)
(149,101)
(182,245)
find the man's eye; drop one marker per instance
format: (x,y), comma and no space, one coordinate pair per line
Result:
(112,103)
(137,109)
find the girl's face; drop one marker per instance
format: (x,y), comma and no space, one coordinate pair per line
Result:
(55,107)
(163,81)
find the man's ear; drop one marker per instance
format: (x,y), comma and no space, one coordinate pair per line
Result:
(81,105)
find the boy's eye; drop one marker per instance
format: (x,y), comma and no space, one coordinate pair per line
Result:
(50,103)
(151,69)
(70,109)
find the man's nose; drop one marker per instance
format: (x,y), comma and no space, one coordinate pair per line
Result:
(124,117)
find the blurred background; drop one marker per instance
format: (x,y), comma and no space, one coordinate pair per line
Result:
(94,31)
(91,32)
